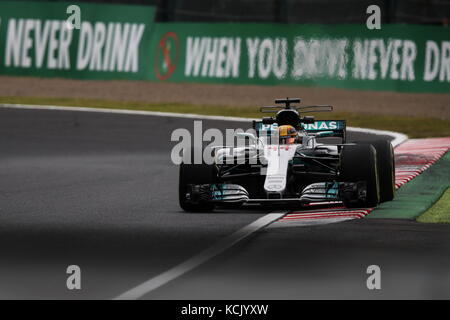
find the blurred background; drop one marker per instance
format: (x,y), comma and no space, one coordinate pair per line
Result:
(419,108)
(434,12)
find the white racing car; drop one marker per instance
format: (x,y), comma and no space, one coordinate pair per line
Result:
(284,164)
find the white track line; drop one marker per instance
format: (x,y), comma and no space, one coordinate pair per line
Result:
(124,111)
(195,261)
(398,137)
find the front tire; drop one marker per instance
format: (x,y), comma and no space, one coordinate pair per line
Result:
(194,174)
(359,163)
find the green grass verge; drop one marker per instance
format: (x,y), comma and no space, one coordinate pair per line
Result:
(439,212)
(413,127)
(418,195)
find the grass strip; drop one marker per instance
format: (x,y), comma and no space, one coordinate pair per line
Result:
(417,195)
(439,212)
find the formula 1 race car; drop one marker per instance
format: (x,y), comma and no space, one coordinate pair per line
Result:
(283,163)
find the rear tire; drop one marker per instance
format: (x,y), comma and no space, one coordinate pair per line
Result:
(194,174)
(386,169)
(359,163)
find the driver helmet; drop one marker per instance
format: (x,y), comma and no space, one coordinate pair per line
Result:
(287,134)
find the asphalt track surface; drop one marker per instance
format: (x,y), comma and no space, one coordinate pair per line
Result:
(99,190)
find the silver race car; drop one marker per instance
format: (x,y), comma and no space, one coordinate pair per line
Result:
(285,162)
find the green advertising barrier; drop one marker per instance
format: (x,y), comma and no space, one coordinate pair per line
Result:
(112,42)
(123,42)
(405,58)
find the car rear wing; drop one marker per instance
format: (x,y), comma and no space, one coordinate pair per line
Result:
(337,127)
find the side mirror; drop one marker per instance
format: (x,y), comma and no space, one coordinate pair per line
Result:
(268,120)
